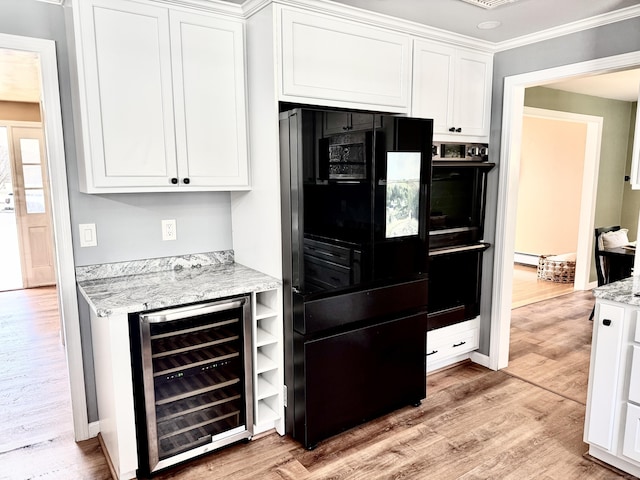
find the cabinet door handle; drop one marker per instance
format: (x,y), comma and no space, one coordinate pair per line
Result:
(458,344)
(458,129)
(174,181)
(606,322)
(186,181)
(452,129)
(432,353)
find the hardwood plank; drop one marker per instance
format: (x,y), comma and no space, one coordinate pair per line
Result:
(524,422)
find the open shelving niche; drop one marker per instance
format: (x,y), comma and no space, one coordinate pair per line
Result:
(268,361)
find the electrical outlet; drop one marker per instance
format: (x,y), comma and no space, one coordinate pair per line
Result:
(169,230)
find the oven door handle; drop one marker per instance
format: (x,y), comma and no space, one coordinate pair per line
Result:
(191,311)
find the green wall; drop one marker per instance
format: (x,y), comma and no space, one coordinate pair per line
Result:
(616,203)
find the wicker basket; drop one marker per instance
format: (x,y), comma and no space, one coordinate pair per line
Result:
(556,270)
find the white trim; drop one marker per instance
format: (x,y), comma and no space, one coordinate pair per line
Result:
(526,259)
(513,109)
(589,185)
(94,429)
(65,273)
(569,28)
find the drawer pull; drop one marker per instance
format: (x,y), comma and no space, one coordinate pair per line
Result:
(606,322)
(432,353)
(458,344)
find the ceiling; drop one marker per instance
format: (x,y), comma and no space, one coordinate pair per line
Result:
(19,76)
(518,18)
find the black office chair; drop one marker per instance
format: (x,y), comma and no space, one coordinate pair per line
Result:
(602,267)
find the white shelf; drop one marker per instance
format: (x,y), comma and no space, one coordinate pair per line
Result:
(262,311)
(265,389)
(264,363)
(264,338)
(266,414)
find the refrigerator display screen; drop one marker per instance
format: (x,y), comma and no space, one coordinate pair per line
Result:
(403,194)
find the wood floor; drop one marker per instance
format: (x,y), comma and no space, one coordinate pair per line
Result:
(528,288)
(524,422)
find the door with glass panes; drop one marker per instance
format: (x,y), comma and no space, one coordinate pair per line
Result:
(32,205)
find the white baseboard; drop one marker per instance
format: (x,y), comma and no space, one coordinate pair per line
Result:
(481,359)
(526,259)
(94,429)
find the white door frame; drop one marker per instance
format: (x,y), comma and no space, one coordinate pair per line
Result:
(589,186)
(513,109)
(65,269)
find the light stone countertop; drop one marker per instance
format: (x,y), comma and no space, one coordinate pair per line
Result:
(150,290)
(622,291)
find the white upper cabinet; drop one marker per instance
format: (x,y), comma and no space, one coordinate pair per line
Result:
(452,86)
(161,98)
(330,61)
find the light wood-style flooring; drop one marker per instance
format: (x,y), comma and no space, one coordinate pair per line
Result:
(524,422)
(528,288)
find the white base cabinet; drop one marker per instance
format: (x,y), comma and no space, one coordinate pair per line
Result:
(161,98)
(452,85)
(448,345)
(612,420)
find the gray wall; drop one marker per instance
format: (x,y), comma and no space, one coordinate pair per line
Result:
(605,41)
(128,225)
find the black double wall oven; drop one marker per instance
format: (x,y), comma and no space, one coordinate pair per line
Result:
(355,209)
(456,245)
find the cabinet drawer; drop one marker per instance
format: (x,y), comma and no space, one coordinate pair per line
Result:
(449,342)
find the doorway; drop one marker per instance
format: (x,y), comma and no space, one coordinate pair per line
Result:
(514,88)
(555,204)
(66,293)
(26,241)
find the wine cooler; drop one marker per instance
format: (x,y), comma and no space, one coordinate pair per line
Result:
(192,380)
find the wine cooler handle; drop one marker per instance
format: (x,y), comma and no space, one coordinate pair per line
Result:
(190,311)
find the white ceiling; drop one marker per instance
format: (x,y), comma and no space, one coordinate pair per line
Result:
(518,18)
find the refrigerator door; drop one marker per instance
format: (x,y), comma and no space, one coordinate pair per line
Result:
(355,199)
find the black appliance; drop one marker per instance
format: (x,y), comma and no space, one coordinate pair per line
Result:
(192,380)
(355,205)
(456,246)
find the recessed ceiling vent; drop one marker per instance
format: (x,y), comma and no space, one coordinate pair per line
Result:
(488,4)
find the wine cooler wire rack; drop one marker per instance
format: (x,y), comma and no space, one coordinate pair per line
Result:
(198,390)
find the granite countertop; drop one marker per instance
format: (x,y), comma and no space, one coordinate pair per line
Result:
(147,290)
(622,291)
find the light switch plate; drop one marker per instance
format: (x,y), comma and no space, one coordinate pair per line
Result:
(88,235)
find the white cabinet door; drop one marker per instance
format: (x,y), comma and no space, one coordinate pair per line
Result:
(453,87)
(326,60)
(129,103)
(209,90)
(164,98)
(631,442)
(604,376)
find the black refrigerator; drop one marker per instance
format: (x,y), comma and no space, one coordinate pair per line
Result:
(355,203)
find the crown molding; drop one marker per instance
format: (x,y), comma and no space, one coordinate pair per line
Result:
(573,27)
(374,19)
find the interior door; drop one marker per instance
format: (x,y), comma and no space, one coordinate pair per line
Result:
(32,206)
